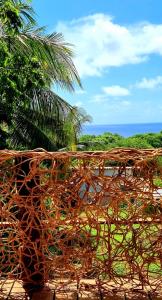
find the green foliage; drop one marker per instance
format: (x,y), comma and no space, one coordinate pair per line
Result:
(9,15)
(158,182)
(101,142)
(108,141)
(31,115)
(75,118)
(18,75)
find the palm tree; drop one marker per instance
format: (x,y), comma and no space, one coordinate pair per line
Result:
(72,126)
(53,58)
(31,61)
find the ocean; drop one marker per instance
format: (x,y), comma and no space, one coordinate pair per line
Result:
(125,130)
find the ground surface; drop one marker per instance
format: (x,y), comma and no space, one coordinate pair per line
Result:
(12,290)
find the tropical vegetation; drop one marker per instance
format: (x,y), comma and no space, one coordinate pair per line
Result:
(109,140)
(32,64)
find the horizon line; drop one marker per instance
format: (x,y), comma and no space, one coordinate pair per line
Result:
(99,124)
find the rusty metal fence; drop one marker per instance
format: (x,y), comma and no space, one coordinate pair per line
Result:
(83,221)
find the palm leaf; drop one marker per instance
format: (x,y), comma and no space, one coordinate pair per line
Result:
(26,12)
(54,55)
(26,133)
(48,113)
(41,118)
(47,107)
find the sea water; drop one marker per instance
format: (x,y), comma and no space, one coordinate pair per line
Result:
(122,129)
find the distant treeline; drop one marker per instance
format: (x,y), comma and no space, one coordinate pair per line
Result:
(109,140)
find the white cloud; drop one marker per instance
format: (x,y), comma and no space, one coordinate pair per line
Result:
(78,104)
(116,91)
(151,83)
(99,98)
(80,92)
(111,92)
(101,43)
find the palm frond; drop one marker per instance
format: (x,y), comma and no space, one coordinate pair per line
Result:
(55,56)
(40,120)
(26,12)
(26,133)
(53,53)
(46,105)
(46,124)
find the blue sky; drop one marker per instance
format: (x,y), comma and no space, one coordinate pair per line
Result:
(118,54)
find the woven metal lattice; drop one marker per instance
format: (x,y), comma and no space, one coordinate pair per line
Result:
(88,218)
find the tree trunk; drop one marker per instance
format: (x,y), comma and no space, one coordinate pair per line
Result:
(29,215)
